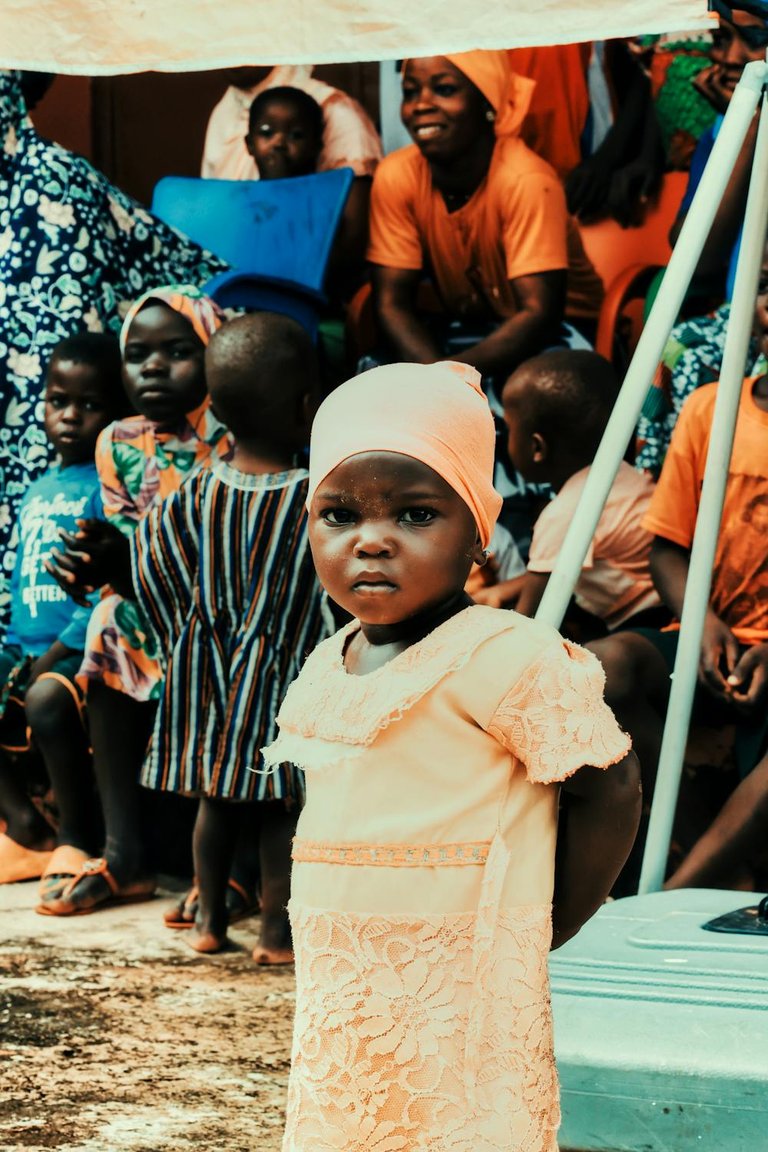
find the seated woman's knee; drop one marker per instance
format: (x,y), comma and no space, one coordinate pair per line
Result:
(624,657)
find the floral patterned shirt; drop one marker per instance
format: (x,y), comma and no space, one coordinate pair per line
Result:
(140,462)
(72,247)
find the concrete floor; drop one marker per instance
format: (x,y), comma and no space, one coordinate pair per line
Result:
(116,1037)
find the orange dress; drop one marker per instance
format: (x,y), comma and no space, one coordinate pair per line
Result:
(422,885)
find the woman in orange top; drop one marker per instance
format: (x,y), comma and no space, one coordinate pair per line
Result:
(471,206)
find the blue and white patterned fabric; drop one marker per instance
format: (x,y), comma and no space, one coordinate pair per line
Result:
(72,248)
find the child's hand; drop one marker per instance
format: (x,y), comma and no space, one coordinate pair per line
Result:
(95,555)
(719,656)
(482,576)
(69,570)
(747,683)
(709,84)
(504,595)
(491,595)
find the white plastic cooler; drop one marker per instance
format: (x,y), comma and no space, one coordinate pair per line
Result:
(661,1028)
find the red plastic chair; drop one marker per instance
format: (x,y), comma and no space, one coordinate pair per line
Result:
(627,261)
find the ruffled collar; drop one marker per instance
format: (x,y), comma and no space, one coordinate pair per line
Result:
(330,704)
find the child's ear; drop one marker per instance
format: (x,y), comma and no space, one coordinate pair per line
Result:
(479,554)
(539,450)
(308,406)
(248,144)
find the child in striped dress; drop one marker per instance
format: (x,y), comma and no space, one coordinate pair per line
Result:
(224,576)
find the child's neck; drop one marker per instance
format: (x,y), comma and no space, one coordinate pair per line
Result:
(561,472)
(257,459)
(376,644)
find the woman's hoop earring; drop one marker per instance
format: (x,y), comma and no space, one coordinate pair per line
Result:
(490,115)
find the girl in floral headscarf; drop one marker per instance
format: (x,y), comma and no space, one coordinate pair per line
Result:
(140,461)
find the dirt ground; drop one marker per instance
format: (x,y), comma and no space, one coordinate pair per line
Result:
(116,1037)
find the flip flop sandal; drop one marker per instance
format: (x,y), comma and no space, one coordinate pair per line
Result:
(248,904)
(134,892)
(182,915)
(65,863)
(18,863)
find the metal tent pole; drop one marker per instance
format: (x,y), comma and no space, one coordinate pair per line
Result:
(665,309)
(697,588)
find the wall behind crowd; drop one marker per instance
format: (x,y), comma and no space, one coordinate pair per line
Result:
(139,128)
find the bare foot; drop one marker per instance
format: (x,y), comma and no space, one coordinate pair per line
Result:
(207,943)
(20,863)
(273,956)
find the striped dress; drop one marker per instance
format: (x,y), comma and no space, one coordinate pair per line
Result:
(224,575)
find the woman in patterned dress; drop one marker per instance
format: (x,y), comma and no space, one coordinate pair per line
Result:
(72,248)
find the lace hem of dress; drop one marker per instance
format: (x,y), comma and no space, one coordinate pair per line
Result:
(403,1042)
(326,702)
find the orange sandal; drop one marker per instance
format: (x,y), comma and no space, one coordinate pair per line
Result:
(113,893)
(65,863)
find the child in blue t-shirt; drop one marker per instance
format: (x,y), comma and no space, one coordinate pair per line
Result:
(43,646)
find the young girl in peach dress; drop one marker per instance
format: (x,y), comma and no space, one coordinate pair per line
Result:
(437,737)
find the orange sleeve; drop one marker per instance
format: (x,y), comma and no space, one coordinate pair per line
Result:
(394,236)
(675,501)
(533,217)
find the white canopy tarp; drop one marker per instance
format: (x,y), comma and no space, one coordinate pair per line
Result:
(101,37)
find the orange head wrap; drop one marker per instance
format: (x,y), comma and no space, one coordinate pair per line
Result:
(507,93)
(435,413)
(202,313)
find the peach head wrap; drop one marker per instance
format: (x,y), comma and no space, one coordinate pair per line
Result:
(435,413)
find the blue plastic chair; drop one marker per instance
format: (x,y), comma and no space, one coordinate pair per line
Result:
(276,234)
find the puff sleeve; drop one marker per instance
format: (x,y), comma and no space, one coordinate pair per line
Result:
(555,719)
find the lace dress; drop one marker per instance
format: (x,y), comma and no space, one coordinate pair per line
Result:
(422,885)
